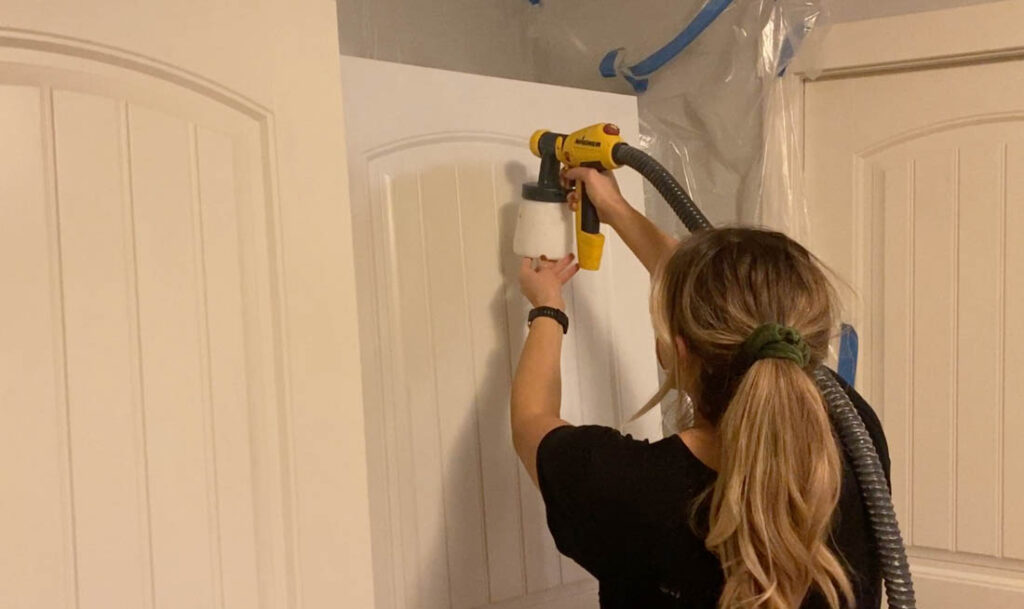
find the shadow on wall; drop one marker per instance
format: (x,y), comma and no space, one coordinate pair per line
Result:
(482,546)
(488,439)
(511,535)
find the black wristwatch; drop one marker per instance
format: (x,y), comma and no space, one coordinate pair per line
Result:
(553,313)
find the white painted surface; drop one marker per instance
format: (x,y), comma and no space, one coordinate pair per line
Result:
(437,160)
(180,408)
(855,10)
(977,32)
(916,188)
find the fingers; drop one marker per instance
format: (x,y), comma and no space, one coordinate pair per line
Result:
(574,200)
(558,267)
(564,263)
(568,273)
(579,173)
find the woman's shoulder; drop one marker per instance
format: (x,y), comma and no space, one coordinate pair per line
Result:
(598,445)
(615,464)
(590,449)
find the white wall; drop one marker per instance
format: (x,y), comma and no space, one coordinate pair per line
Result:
(476,36)
(853,10)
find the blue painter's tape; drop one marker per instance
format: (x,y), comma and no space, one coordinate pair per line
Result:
(607,67)
(639,84)
(656,60)
(848,347)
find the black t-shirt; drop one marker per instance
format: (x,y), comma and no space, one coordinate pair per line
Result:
(621,508)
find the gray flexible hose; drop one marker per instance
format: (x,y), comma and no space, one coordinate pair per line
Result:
(874,489)
(892,556)
(665,183)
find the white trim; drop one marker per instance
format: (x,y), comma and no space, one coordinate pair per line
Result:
(981,32)
(960,573)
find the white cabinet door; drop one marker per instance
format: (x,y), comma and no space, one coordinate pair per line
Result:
(437,160)
(915,183)
(178,336)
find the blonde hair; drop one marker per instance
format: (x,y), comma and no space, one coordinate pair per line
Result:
(780,470)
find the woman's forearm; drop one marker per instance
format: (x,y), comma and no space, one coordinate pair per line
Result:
(537,391)
(537,386)
(649,243)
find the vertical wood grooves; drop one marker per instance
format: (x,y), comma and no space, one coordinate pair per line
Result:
(1001,347)
(508,331)
(87,236)
(394,478)
(616,372)
(420,183)
(472,371)
(876,309)
(857,243)
(578,412)
(954,378)
(136,328)
(381,225)
(911,340)
(206,374)
(404,416)
(410,578)
(570,304)
(278,312)
(385,414)
(49,146)
(437,407)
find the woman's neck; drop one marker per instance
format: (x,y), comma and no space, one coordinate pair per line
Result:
(702,440)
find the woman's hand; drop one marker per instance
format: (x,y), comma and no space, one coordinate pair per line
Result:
(603,191)
(648,243)
(542,285)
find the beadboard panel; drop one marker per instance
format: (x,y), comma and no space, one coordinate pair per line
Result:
(140,396)
(457,521)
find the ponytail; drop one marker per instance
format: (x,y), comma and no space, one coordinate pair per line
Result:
(777,487)
(755,312)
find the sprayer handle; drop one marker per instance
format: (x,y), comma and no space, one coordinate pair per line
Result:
(589,240)
(590,222)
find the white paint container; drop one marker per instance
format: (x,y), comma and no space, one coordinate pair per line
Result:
(543,229)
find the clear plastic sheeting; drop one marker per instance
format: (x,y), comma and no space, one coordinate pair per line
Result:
(716,115)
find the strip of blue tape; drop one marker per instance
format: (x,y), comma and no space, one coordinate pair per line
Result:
(848,347)
(656,60)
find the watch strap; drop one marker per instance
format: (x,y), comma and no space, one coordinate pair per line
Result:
(555,314)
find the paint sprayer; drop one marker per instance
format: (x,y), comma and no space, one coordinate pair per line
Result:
(543,228)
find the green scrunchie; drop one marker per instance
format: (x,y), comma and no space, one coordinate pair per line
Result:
(775,341)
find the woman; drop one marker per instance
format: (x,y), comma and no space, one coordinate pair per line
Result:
(755,505)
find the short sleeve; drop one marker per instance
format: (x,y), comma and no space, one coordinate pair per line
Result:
(588,479)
